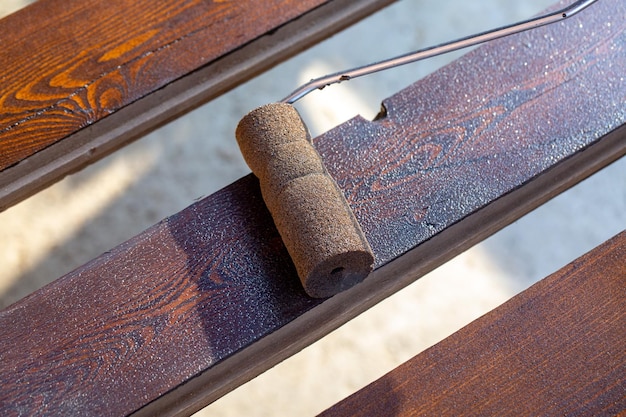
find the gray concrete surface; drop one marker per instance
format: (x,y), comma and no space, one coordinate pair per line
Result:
(90,212)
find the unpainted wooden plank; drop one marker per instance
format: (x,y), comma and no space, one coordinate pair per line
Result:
(99,75)
(558,348)
(208,298)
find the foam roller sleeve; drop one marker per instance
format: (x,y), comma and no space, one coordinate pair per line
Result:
(319,230)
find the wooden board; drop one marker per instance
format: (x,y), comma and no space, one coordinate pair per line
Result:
(558,348)
(83,78)
(208,298)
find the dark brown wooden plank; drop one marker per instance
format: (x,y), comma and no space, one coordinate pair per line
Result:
(208,298)
(558,348)
(98,75)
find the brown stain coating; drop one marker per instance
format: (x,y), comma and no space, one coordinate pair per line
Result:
(560,343)
(207,298)
(87,70)
(311,214)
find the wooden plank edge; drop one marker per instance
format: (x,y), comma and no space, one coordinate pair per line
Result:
(109,134)
(606,254)
(246,364)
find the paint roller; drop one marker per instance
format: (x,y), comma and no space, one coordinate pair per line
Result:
(319,230)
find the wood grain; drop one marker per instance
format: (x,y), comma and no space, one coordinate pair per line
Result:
(83,74)
(558,348)
(208,298)
(98,75)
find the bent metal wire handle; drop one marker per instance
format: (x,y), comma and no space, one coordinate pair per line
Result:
(319,83)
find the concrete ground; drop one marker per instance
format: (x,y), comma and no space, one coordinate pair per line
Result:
(118,197)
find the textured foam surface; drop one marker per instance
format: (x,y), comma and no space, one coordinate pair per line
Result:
(311,214)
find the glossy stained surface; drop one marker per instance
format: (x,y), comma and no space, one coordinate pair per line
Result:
(152,312)
(558,348)
(208,298)
(482,126)
(118,60)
